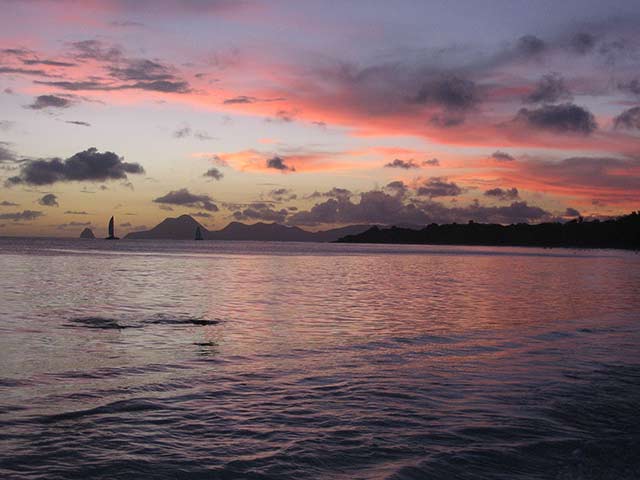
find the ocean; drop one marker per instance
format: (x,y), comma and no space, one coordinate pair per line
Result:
(249,360)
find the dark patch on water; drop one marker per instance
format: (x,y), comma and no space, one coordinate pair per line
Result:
(13,382)
(99,323)
(124,406)
(162,320)
(105,323)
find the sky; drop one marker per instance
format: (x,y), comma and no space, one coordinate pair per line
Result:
(316,114)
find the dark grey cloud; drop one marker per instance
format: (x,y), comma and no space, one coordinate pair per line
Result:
(49,200)
(550,88)
(282,194)
(6,203)
(502,156)
(446,120)
(163,86)
(128,185)
(564,118)
(16,51)
(78,122)
(202,135)
(614,50)
(78,85)
(433,162)
(6,154)
(25,215)
(335,192)
(629,119)
(397,187)
(140,70)
(24,71)
(123,72)
(96,50)
(50,63)
(632,87)
(89,165)
(213,173)
(583,42)
(50,101)
(218,160)
(571,212)
(278,163)
(187,131)
(439,187)
(530,46)
(503,193)
(244,99)
(284,116)
(240,100)
(185,198)
(261,211)
(6,124)
(405,164)
(451,92)
(373,207)
(182,132)
(381,208)
(76,212)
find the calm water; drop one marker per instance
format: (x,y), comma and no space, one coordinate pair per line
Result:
(264,360)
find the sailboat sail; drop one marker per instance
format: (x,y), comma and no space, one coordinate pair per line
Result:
(112,231)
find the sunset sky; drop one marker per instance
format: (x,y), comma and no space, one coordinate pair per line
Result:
(316,114)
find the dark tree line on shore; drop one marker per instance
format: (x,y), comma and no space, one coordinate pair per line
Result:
(622,232)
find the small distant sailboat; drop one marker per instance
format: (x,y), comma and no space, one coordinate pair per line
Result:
(199,234)
(111,231)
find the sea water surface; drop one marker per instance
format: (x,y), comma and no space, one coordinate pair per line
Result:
(224,360)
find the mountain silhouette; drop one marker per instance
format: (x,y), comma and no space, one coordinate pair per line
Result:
(622,232)
(180,228)
(184,226)
(87,233)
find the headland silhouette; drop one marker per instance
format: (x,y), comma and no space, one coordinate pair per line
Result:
(622,232)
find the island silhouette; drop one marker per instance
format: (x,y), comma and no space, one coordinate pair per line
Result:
(185,227)
(621,232)
(87,233)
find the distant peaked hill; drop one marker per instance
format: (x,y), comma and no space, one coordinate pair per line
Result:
(260,231)
(184,228)
(181,228)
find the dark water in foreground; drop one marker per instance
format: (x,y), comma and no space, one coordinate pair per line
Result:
(263,360)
